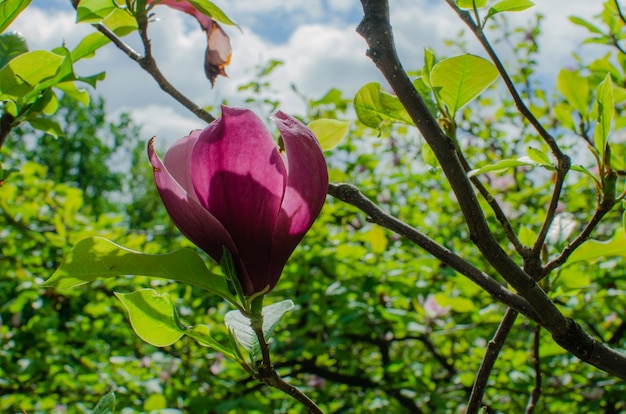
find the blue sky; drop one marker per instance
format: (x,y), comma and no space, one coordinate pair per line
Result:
(315,38)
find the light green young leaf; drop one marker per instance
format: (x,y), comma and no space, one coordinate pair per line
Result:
(429,62)
(9,10)
(538,156)
(460,79)
(329,132)
(505,164)
(469,4)
(96,257)
(152,316)
(527,236)
(94,11)
(509,6)
(457,304)
(606,110)
(25,72)
(106,405)
(594,249)
(374,106)
(581,22)
(240,325)
(202,334)
(71,90)
(575,89)
(208,8)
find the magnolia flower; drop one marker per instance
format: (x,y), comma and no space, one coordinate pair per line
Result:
(218,50)
(231,186)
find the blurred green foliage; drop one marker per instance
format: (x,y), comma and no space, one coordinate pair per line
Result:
(379,326)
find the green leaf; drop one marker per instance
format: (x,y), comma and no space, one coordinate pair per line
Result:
(460,79)
(96,257)
(94,11)
(469,4)
(207,8)
(575,90)
(594,249)
(9,10)
(509,6)
(457,304)
(106,405)
(152,316)
(202,334)
(46,125)
(70,89)
(240,325)
(11,45)
(537,156)
(375,107)
(581,22)
(329,132)
(504,165)
(606,110)
(429,62)
(27,71)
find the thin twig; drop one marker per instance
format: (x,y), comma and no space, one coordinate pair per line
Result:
(266,373)
(519,103)
(550,214)
(601,210)
(536,392)
(495,207)
(148,64)
(352,195)
(489,360)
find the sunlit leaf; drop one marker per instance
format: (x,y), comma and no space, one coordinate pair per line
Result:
(96,257)
(94,11)
(9,10)
(469,4)
(329,132)
(509,6)
(575,89)
(374,107)
(460,79)
(208,8)
(606,109)
(25,72)
(594,249)
(581,22)
(152,316)
(457,304)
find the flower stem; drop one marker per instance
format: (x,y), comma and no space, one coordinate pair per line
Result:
(266,372)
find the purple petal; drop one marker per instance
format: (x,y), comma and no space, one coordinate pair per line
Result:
(307,184)
(239,176)
(193,220)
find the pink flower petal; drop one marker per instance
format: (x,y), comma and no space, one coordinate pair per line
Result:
(239,176)
(307,184)
(193,220)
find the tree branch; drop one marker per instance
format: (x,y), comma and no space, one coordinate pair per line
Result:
(351,195)
(491,355)
(376,29)
(148,64)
